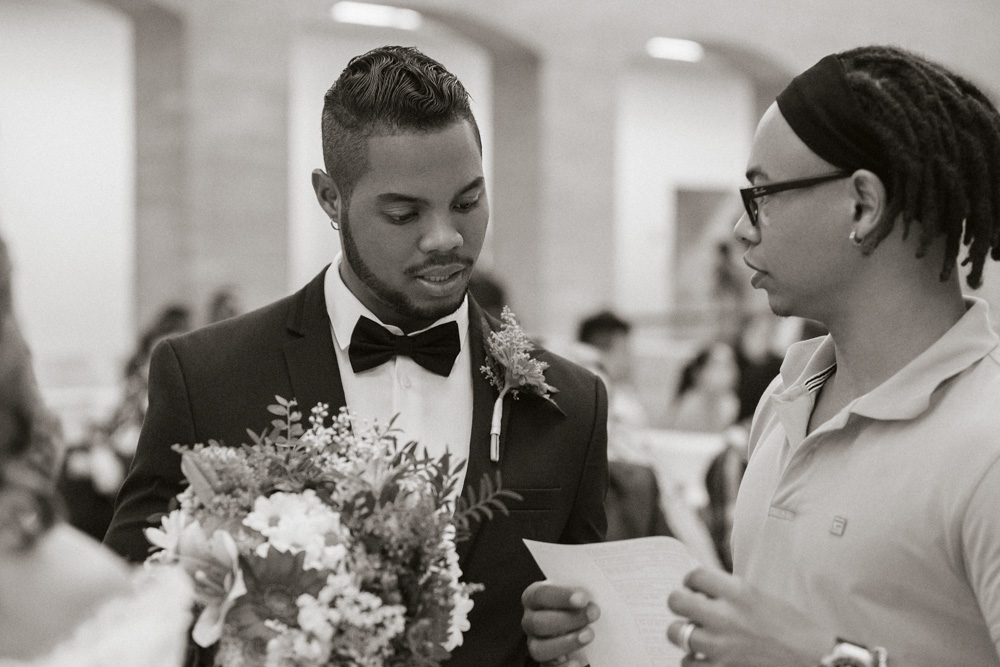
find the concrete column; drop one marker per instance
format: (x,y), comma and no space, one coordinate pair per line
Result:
(576,248)
(237,148)
(515,207)
(163,230)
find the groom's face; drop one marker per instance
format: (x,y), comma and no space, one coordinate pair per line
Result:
(415,225)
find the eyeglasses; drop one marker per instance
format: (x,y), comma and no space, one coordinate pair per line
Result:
(750,194)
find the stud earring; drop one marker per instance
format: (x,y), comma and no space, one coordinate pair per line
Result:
(857,240)
(334,225)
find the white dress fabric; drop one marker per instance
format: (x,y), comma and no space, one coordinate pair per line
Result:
(146,628)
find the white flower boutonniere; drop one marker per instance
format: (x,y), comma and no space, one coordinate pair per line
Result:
(511,370)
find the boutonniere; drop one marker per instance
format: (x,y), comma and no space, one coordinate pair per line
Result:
(510,368)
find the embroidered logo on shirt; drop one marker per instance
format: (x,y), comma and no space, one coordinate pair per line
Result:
(839,526)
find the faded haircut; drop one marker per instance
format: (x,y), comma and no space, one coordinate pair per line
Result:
(389,90)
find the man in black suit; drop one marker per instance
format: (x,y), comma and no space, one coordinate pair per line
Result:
(404,186)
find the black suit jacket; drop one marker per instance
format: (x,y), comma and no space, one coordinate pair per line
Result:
(216,382)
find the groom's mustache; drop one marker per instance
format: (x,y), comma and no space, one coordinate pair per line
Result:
(446,259)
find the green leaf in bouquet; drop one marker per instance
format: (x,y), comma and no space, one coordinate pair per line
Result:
(287,486)
(393,499)
(361,505)
(479,506)
(389,494)
(444,479)
(276,580)
(423,641)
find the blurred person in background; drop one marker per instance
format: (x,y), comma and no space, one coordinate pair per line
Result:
(17,378)
(722,484)
(706,397)
(223,305)
(95,467)
(633,502)
(66,601)
(611,336)
(760,349)
(706,402)
(729,290)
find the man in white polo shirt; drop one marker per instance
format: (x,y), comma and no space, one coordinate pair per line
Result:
(866,529)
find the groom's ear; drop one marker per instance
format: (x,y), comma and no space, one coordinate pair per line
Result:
(328,195)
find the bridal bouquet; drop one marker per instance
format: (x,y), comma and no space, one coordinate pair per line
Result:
(327,545)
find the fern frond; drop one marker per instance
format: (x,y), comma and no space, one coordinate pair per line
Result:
(479,504)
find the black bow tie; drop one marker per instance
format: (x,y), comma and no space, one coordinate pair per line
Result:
(435,349)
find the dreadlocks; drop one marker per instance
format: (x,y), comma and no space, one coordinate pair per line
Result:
(942,138)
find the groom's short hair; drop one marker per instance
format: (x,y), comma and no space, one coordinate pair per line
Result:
(389,90)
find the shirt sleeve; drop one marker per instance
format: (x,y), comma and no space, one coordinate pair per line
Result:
(981,543)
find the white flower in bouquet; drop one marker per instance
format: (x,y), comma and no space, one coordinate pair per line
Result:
(332,545)
(299,522)
(167,537)
(212,562)
(461,603)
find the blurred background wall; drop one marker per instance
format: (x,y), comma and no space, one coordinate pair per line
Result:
(153,152)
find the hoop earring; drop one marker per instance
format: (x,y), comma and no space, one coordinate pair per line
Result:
(334,225)
(857,240)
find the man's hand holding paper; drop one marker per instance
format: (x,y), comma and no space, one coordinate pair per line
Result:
(605,603)
(557,621)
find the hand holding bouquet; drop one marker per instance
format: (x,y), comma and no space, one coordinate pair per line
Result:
(332,545)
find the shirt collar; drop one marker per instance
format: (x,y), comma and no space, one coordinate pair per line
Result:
(345,309)
(808,363)
(906,394)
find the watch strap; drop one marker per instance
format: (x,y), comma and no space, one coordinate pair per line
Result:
(846,653)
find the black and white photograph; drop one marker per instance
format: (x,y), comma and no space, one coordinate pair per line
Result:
(522,333)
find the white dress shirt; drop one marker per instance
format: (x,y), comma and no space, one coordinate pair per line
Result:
(435,411)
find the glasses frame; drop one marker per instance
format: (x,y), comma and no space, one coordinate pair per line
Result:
(751,194)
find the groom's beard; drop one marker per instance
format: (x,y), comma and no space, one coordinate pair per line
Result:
(400,303)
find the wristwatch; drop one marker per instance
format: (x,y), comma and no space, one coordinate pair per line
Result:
(849,654)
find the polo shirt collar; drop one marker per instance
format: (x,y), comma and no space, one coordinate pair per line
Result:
(908,392)
(806,366)
(807,361)
(345,309)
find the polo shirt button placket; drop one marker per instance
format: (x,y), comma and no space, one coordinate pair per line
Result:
(788,492)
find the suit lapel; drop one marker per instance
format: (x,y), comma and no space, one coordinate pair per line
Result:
(309,354)
(483,396)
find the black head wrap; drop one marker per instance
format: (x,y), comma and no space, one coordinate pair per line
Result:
(824,113)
